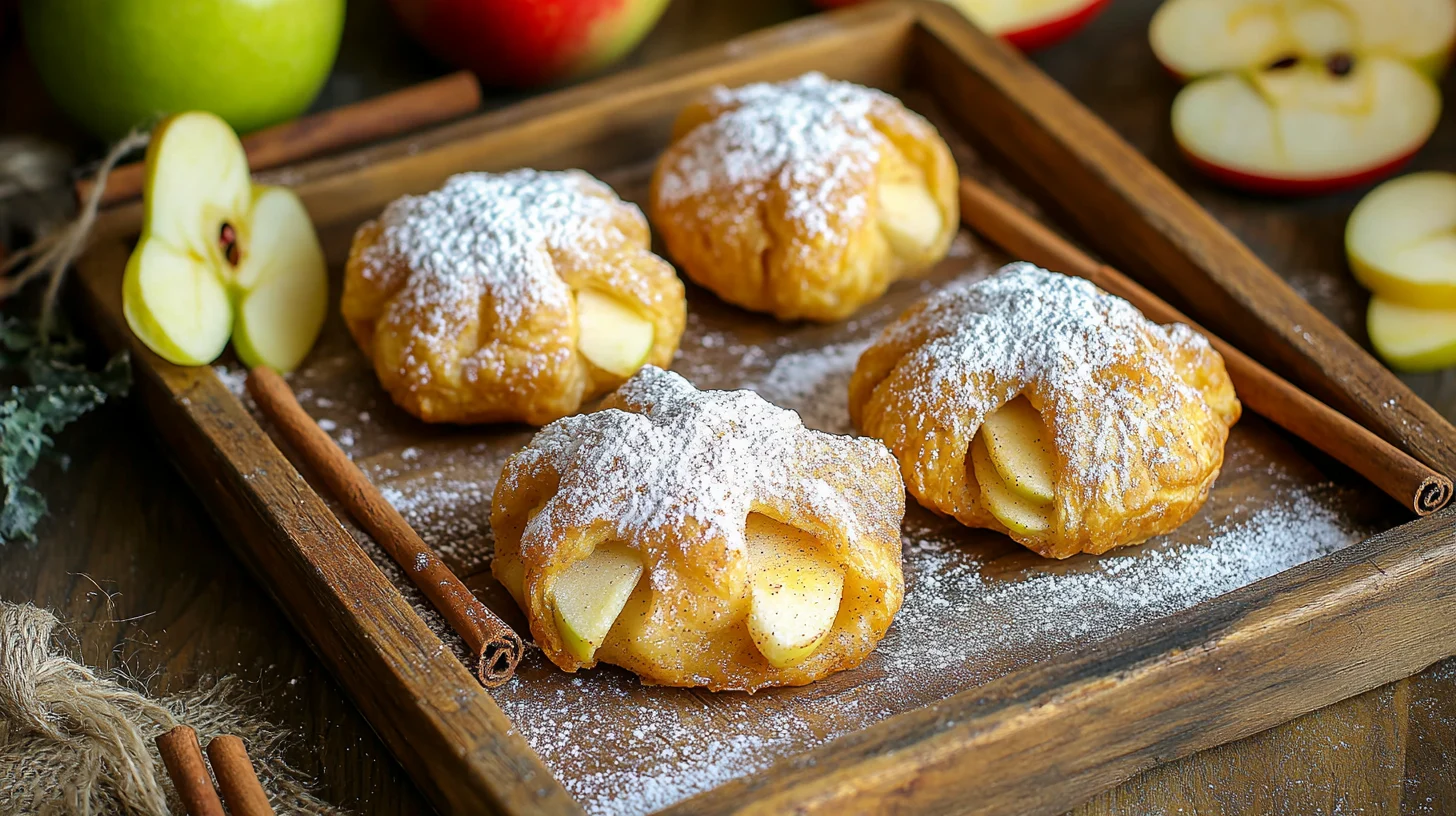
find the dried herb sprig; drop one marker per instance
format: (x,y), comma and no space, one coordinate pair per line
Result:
(56,391)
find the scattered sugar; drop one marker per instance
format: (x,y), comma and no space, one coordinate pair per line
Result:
(328,425)
(452,515)
(814,383)
(967,619)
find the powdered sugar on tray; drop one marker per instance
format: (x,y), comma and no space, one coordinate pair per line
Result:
(973,612)
(815,384)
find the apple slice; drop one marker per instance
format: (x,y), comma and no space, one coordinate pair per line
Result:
(1020,448)
(1401,240)
(909,218)
(1031,24)
(1309,127)
(611,335)
(1017,512)
(1194,38)
(283,284)
(795,588)
(590,595)
(1410,338)
(175,303)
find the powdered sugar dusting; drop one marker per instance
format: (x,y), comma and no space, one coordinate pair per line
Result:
(490,238)
(810,139)
(814,383)
(682,454)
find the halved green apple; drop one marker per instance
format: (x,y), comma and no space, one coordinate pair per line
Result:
(1012,509)
(611,335)
(590,595)
(1411,338)
(217,258)
(1401,240)
(796,589)
(909,217)
(1021,449)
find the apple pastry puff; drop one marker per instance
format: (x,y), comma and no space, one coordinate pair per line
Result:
(803,199)
(509,297)
(700,538)
(1036,404)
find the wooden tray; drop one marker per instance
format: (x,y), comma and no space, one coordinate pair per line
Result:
(1008,683)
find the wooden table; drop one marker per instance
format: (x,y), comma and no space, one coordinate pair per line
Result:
(130,557)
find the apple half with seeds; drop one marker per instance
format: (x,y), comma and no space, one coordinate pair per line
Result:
(1300,97)
(219,258)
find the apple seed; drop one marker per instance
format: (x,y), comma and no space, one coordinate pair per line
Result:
(1283,63)
(1340,64)
(227,238)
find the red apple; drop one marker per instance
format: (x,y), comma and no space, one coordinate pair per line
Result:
(1290,97)
(1027,24)
(519,43)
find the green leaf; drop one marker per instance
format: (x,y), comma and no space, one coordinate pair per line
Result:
(59,391)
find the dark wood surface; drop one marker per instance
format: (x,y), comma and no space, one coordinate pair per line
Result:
(133,559)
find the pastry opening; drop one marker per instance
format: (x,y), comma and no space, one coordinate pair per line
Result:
(611,334)
(589,596)
(1012,460)
(795,590)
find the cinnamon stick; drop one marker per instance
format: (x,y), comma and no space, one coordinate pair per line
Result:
(497,647)
(241,789)
(182,756)
(1394,471)
(371,120)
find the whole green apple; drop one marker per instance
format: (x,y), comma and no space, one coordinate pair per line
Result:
(114,64)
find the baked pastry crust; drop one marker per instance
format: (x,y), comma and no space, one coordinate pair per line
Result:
(1138,413)
(463,297)
(673,473)
(768,194)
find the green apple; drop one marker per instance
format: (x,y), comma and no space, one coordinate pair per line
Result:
(219,258)
(1021,449)
(1411,338)
(1401,240)
(590,595)
(795,589)
(611,335)
(909,218)
(1012,509)
(115,64)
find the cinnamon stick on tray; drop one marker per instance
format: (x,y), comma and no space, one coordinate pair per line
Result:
(496,646)
(1399,474)
(371,120)
(182,756)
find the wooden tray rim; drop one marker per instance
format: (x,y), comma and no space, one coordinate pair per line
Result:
(916,761)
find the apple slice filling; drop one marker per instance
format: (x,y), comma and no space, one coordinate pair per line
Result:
(1012,460)
(909,218)
(796,591)
(611,335)
(590,595)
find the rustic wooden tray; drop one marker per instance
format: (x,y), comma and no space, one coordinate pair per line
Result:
(1008,684)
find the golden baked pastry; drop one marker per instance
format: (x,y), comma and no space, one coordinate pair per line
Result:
(803,199)
(1036,404)
(509,297)
(700,538)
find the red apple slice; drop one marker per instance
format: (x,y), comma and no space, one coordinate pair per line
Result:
(1027,24)
(1194,38)
(1306,128)
(1401,241)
